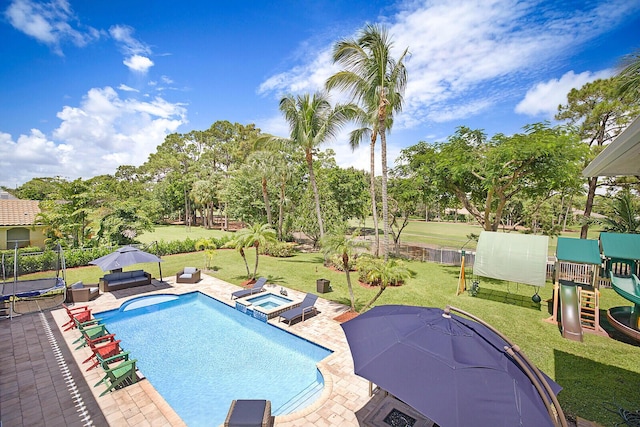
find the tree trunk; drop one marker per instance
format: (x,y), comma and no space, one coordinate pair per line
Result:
(566,215)
(246,264)
(345,264)
(593,182)
(374,299)
(255,270)
(281,210)
(385,200)
(372,190)
(226,217)
(316,196)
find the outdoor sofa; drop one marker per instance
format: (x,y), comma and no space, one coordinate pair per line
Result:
(124,279)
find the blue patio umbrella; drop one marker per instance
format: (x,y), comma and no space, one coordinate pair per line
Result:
(125,256)
(453,370)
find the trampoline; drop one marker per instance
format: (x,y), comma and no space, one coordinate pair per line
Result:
(31,288)
(24,296)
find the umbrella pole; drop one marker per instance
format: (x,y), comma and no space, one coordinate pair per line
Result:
(536,376)
(160,268)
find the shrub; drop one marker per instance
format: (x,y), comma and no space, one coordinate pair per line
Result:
(365,264)
(278,249)
(335,261)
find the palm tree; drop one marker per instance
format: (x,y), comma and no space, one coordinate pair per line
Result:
(389,272)
(345,247)
(312,121)
(625,217)
(629,76)
(256,235)
(376,82)
(238,243)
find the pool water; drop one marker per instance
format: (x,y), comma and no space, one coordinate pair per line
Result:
(200,354)
(269,301)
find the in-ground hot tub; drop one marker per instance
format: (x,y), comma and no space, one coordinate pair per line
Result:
(265,305)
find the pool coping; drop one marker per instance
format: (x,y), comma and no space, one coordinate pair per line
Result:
(344,394)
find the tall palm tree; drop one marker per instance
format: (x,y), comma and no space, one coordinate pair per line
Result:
(256,235)
(376,82)
(312,121)
(345,247)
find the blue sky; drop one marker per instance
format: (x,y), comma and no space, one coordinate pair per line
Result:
(88,86)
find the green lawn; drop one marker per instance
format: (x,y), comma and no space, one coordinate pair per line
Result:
(592,372)
(454,234)
(178,232)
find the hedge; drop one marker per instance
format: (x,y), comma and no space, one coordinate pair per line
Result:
(33,260)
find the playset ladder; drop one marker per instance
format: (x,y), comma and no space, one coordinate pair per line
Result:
(589,313)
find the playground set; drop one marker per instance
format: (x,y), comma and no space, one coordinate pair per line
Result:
(575,304)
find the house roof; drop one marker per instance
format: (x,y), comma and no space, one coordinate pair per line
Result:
(18,212)
(621,157)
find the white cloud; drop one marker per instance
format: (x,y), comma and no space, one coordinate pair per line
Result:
(137,63)
(123,34)
(544,98)
(466,57)
(104,132)
(50,23)
(126,88)
(136,52)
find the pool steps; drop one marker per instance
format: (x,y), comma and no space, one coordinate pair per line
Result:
(304,398)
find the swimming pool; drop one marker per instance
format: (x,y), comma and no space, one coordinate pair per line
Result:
(200,354)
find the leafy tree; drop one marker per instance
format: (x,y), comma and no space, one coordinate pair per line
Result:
(123,224)
(376,81)
(256,235)
(38,188)
(392,271)
(312,121)
(345,247)
(243,194)
(348,189)
(625,214)
(405,195)
(486,174)
(600,114)
(305,220)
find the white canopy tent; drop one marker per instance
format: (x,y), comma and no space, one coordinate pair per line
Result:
(621,157)
(513,257)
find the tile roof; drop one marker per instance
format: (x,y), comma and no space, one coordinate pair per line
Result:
(18,212)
